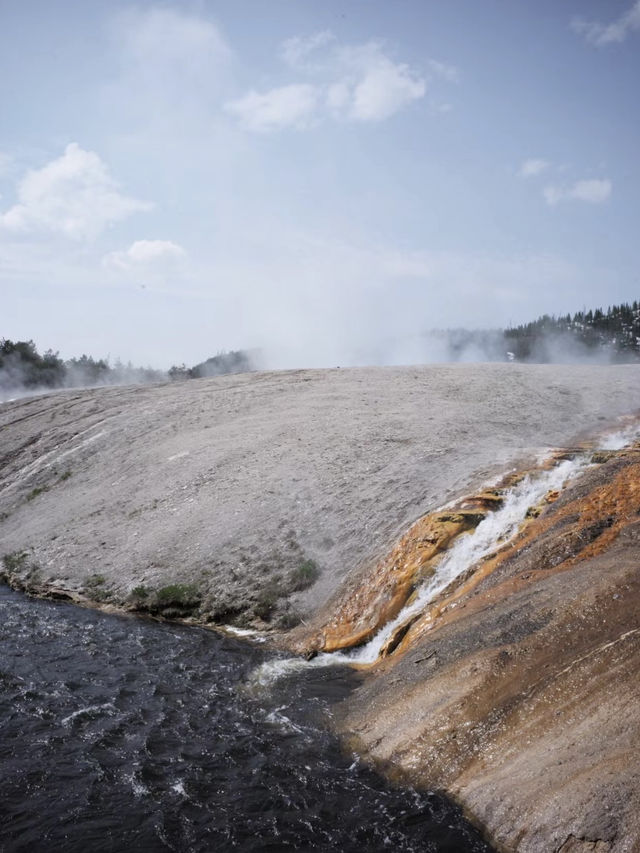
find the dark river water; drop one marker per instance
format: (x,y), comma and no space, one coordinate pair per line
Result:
(118,734)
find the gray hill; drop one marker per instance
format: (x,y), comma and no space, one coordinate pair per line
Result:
(248,498)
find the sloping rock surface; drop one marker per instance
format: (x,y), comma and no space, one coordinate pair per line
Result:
(520,694)
(250,497)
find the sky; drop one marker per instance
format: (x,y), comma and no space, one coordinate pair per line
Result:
(322,181)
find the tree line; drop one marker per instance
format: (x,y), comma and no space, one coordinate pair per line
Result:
(22,366)
(611,335)
(614,333)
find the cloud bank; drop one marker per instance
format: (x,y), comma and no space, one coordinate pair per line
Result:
(143,253)
(73,195)
(351,83)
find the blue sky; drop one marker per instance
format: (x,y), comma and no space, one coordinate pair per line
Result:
(323,180)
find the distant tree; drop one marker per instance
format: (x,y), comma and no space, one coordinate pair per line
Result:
(22,366)
(615,333)
(236,361)
(179,371)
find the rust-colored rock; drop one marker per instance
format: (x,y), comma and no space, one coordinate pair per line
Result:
(518,692)
(382,593)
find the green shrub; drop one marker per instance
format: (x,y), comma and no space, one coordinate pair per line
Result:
(289,619)
(37,491)
(267,601)
(304,576)
(178,593)
(140,592)
(15,561)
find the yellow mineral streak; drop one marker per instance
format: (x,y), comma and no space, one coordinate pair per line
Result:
(590,524)
(388,587)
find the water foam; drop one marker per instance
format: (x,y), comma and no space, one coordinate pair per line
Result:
(493,531)
(271,671)
(90,710)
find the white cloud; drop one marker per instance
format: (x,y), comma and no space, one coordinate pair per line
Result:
(384,88)
(73,195)
(171,66)
(338,98)
(349,82)
(592,191)
(600,34)
(145,253)
(287,106)
(534,166)
(296,50)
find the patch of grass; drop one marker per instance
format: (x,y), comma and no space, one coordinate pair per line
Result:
(15,561)
(174,601)
(37,491)
(140,592)
(178,593)
(289,619)
(304,576)
(64,476)
(267,601)
(94,586)
(19,572)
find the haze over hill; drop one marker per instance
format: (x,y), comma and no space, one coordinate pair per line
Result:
(595,337)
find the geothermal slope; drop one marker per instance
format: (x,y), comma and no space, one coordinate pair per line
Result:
(261,499)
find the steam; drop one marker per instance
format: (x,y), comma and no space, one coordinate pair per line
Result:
(430,347)
(23,373)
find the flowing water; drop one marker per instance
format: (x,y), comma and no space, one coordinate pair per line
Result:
(119,734)
(494,530)
(469,549)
